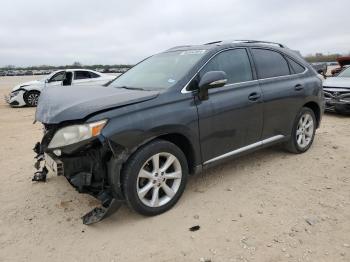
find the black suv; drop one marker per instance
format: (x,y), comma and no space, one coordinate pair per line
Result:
(173,114)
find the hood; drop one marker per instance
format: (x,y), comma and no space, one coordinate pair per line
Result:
(57,105)
(26,84)
(337,82)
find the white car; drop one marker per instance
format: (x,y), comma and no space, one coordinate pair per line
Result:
(27,94)
(337,92)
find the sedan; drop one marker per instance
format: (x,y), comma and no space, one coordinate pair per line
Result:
(27,94)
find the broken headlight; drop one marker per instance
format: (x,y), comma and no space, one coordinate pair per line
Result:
(76,133)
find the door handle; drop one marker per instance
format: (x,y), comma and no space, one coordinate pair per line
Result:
(254,96)
(298,87)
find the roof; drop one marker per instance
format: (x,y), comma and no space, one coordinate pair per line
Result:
(221,43)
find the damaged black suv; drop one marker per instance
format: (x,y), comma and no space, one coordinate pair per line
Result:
(174,114)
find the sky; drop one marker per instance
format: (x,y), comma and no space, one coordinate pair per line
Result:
(38,32)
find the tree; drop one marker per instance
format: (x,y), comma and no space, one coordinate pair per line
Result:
(77,64)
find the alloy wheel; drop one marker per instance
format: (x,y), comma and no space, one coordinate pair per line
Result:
(33,99)
(159,179)
(305,130)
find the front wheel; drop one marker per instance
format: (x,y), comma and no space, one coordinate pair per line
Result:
(155,177)
(31,98)
(303,132)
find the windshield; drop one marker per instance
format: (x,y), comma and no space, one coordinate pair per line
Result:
(345,73)
(159,71)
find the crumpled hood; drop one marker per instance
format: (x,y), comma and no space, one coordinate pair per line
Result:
(57,104)
(26,84)
(340,82)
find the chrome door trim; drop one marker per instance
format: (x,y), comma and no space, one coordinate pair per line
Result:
(245,148)
(185,91)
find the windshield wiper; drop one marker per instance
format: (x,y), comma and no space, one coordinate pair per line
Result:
(130,88)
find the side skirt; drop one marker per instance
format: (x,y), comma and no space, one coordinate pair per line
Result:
(246,148)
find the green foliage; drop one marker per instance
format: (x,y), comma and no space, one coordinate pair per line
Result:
(319,57)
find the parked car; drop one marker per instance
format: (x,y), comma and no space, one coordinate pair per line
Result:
(174,114)
(342,61)
(10,73)
(337,92)
(2,73)
(27,94)
(320,68)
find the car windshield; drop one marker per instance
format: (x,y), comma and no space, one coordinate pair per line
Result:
(345,73)
(160,71)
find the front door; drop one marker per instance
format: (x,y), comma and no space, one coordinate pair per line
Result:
(232,116)
(56,79)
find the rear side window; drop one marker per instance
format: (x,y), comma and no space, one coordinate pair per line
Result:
(270,63)
(81,75)
(235,63)
(93,75)
(296,67)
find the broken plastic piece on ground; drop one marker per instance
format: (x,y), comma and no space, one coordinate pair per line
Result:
(40,176)
(194,228)
(99,213)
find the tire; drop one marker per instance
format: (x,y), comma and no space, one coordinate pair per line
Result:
(143,183)
(31,98)
(304,127)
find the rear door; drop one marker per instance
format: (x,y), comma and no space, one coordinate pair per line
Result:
(282,89)
(232,116)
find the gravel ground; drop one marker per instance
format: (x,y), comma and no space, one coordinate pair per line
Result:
(267,206)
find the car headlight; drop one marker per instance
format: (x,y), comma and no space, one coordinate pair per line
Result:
(76,133)
(14,93)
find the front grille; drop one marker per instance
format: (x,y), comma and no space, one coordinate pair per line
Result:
(332,94)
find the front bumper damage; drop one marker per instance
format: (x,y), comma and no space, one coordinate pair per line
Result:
(91,167)
(337,101)
(16,98)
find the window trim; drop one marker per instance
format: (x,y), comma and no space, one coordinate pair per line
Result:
(75,73)
(184,89)
(290,66)
(284,56)
(271,50)
(55,76)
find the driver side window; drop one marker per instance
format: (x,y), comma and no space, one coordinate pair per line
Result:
(235,63)
(57,77)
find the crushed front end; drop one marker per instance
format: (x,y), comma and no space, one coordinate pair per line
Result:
(337,99)
(91,165)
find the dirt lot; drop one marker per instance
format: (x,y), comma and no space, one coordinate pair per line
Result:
(268,206)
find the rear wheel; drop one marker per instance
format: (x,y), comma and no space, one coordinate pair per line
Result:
(155,178)
(31,98)
(303,132)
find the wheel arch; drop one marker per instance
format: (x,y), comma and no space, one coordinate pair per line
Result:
(182,142)
(316,109)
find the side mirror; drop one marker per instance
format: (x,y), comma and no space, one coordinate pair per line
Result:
(46,80)
(211,79)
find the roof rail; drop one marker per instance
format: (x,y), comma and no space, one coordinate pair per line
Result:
(212,43)
(179,46)
(259,42)
(246,41)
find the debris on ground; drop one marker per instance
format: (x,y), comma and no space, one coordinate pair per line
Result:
(194,228)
